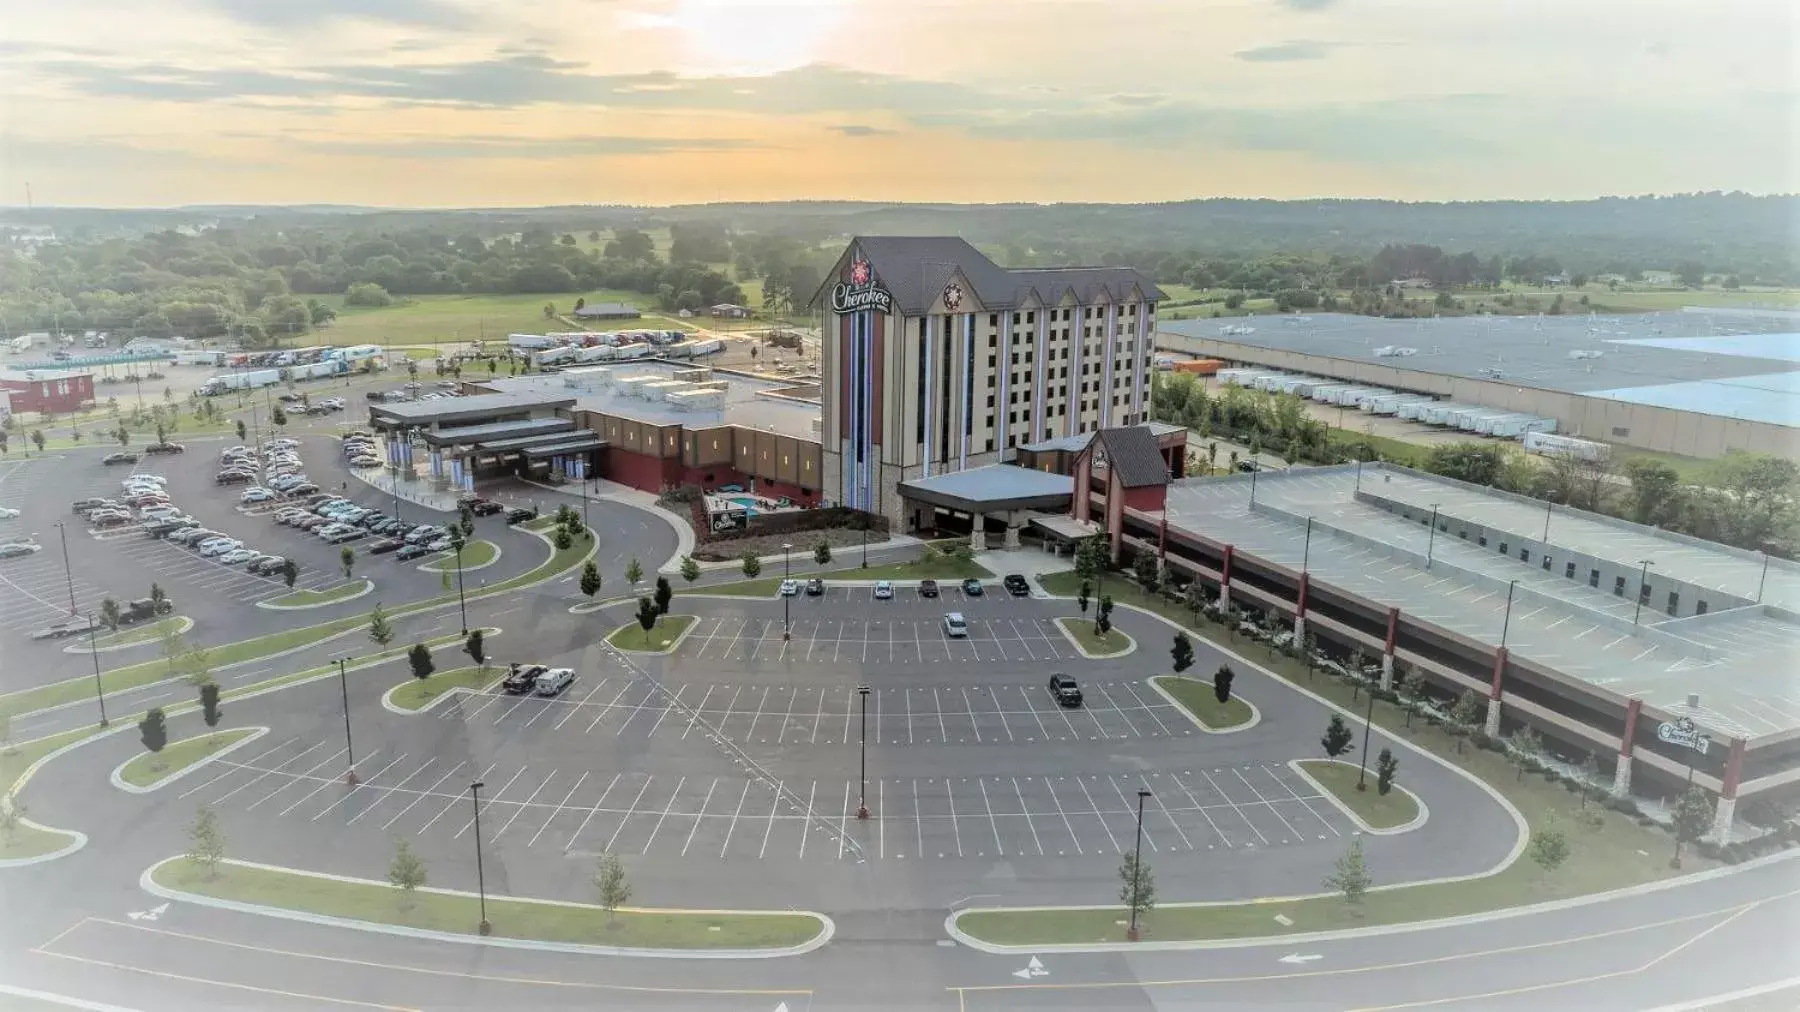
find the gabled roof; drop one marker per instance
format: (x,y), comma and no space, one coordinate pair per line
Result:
(1132,453)
(915,270)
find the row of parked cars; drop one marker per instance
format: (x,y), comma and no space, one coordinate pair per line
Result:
(128,457)
(884,589)
(359,450)
(337,521)
(536,680)
(276,468)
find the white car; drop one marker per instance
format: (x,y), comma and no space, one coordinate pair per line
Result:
(143,476)
(955,626)
(8,513)
(284,443)
(884,590)
(19,548)
(238,556)
(219,546)
(439,545)
(325,532)
(790,588)
(551,682)
(158,513)
(257,494)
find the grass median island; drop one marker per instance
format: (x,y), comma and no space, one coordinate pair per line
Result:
(136,634)
(415,693)
(341,592)
(1381,811)
(149,769)
(660,639)
(1081,630)
(474,555)
(1197,698)
(28,841)
(1607,849)
(459,913)
(899,572)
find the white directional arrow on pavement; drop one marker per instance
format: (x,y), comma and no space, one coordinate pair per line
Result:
(1296,958)
(1022,974)
(151,914)
(781,1007)
(1036,968)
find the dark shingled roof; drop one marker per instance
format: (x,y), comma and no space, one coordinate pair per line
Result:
(1132,453)
(916,269)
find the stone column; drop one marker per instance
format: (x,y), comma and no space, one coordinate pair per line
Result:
(1387,650)
(1492,725)
(1622,772)
(978,533)
(1225,580)
(1300,615)
(1012,531)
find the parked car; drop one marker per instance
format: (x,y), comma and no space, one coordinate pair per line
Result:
(121,457)
(238,556)
(815,587)
(382,546)
(256,495)
(955,625)
(105,520)
(790,588)
(166,448)
(260,559)
(522,679)
(220,546)
(928,588)
(1015,585)
(145,608)
(78,626)
(8,513)
(484,507)
(267,566)
(145,476)
(304,488)
(443,544)
(884,590)
(972,587)
(520,515)
(347,533)
(232,478)
(411,552)
(422,535)
(554,681)
(1064,690)
(91,502)
(18,548)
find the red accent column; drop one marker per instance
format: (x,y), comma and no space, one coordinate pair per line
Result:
(1499,669)
(1225,570)
(1082,481)
(1300,604)
(1162,539)
(1633,707)
(1734,768)
(1393,637)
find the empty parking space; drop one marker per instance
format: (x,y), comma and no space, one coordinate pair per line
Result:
(187,566)
(736,819)
(877,640)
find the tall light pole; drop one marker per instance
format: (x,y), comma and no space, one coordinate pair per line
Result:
(1254,467)
(94,648)
(1362,761)
(1137,862)
(1643,586)
(862,805)
(1506,622)
(1306,550)
(1549,504)
(1359,474)
(1431,537)
(462,603)
(1763,579)
(787,571)
(349,746)
(62,535)
(480,875)
(865,532)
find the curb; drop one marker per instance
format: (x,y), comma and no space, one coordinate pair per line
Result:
(671,648)
(1255,714)
(1417,820)
(431,566)
(684,532)
(1130,642)
(368,588)
(118,774)
(147,641)
(454,691)
(827,927)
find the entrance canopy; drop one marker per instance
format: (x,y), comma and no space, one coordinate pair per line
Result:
(483,435)
(582,443)
(995,488)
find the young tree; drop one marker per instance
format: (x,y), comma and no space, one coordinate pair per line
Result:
(1222,680)
(290,571)
(1465,715)
(1693,816)
(1527,746)
(634,571)
(123,435)
(664,594)
(646,617)
(466,521)
(1145,570)
(1386,766)
(1181,655)
(242,431)
(752,565)
(153,731)
(12,816)
(1351,874)
(1549,846)
(206,841)
(1082,595)
(380,630)
(277,417)
(1337,737)
(1589,774)
(822,554)
(419,657)
(1103,616)
(475,646)
(690,570)
(406,872)
(37,439)
(1138,888)
(562,539)
(610,885)
(347,559)
(158,597)
(209,705)
(590,579)
(109,614)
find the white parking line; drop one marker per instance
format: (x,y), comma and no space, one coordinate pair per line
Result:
(595,807)
(731,827)
(352,792)
(1156,796)
(1266,802)
(1303,802)
(428,792)
(521,809)
(626,818)
(774,806)
(968,704)
(672,703)
(1148,837)
(697,817)
(558,809)
(573,710)
(604,710)
(491,801)
(289,782)
(955,830)
(1094,810)
(819,717)
(843,817)
(1023,807)
(698,710)
(233,768)
(806,823)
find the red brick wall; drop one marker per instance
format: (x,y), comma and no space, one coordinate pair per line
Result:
(638,470)
(1147,499)
(45,394)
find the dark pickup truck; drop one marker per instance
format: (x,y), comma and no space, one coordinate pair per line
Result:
(1064,689)
(144,609)
(522,679)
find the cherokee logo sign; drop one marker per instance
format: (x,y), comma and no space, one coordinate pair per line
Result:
(860,292)
(953,296)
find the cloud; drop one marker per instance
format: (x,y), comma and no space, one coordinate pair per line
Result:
(859,130)
(537,148)
(1137,100)
(287,15)
(1308,6)
(1286,52)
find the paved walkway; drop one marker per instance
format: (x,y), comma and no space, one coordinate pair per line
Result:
(419,491)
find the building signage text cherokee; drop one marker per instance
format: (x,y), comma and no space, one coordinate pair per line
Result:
(846,298)
(1683,732)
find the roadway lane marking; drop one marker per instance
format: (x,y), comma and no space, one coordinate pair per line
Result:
(168,975)
(1026,809)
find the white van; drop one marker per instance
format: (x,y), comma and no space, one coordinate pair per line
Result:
(551,682)
(955,625)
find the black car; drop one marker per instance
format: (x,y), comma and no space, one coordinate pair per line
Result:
(304,488)
(119,458)
(484,507)
(92,503)
(412,552)
(1064,690)
(165,448)
(231,478)
(164,528)
(267,567)
(145,608)
(368,523)
(928,588)
(383,546)
(971,587)
(519,516)
(522,679)
(1016,585)
(815,587)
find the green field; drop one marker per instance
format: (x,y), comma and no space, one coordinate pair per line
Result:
(154,767)
(342,591)
(474,555)
(138,634)
(659,639)
(459,913)
(1382,811)
(417,692)
(1197,698)
(448,319)
(1082,630)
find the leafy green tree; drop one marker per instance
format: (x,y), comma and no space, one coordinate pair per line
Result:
(290,571)
(1138,888)
(1466,714)
(110,615)
(1693,816)
(475,645)
(206,842)
(1145,570)
(243,431)
(406,872)
(278,417)
(663,595)
(380,630)
(646,617)
(1386,767)
(590,579)
(1082,595)
(347,560)
(419,658)
(1655,490)
(1350,875)
(690,570)
(1549,846)
(752,565)
(123,435)
(153,731)
(822,554)
(1182,654)
(37,439)
(563,540)
(610,886)
(1337,737)
(209,705)
(634,571)
(1222,680)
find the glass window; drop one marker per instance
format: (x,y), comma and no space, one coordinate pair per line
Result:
(1700,607)
(1546,563)
(1674,602)
(1569,571)
(1524,555)
(1618,586)
(1594,579)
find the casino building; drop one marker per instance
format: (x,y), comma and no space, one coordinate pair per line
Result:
(937,360)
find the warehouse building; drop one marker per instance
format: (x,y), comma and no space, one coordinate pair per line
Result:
(1696,383)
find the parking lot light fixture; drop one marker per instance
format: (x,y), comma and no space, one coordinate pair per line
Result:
(480,875)
(862,804)
(1643,589)
(349,747)
(462,602)
(1431,536)
(62,534)
(1137,862)
(787,569)
(1506,622)
(1362,760)
(94,648)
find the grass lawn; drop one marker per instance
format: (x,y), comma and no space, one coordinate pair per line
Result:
(150,768)
(342,591)
(14,761)
(1082,630)
(474,554)
(1196,697)
(512,918)
(417,692)
(900,572)
(1610,852)
(669,628)
(138,634)
(1396,808)
(431,319)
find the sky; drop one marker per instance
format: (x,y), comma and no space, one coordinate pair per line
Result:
(456,103)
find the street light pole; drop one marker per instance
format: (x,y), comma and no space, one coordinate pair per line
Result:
(480,875)
(1253,469)
(1506,622)
(1643,584)
(865,562)
(862,805)
(62,535)
(787,572)
(462,602)
(1362,761)
(1763,579)
(349,746)
(1431,537)
(94,648)
(1549,504)
(1306,551)
(1137,863)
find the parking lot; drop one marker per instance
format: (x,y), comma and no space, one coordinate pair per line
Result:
(976,713)
(1237,807)
(876,640)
